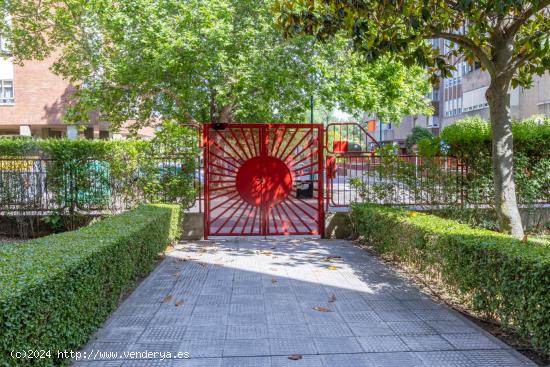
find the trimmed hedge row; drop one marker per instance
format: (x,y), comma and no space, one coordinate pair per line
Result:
(55,291)
(494,273)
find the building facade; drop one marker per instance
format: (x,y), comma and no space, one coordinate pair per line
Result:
(462,95)
(33,102)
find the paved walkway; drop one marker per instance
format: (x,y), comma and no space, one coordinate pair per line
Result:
(256,302)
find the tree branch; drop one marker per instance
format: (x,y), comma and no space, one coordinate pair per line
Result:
(466,42)
(514,27)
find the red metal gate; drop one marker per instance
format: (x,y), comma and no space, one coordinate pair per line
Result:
(263,179)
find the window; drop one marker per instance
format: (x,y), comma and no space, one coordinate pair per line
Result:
(3,45)
(104,134)
(544,109)
(6,92)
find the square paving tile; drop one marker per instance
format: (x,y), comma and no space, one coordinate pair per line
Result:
(157,347)
(402,359)
(411,328)
(238,308)
(337,345)
(197,362)
(118,334)
(147,363)
(204,332)
(471,341)
(130,321)
(397,315)
(360,316)
(247,319)
(359,305)
(200,348)
(392,305)
(286,347)
(347,360)
(329,330)
(445,359)
(246,331)
(97,364)
(285,331)
(206,319)
(370,328)
(496,358)
(163,334)
(426,342)
(306,361)
(452,327)
(318,317)
(438,314)
(285,318)
(242,348)
(246,362)
(382,343)
(169,320)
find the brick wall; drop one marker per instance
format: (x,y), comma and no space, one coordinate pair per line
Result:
(40,97)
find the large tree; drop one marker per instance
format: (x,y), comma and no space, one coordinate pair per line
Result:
(198,60)
(510,39)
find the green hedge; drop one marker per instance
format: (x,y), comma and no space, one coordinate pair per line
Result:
(471,137)
(492,272)
(57,290)
(65,149)
(470,141)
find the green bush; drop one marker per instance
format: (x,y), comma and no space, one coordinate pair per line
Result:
(470,141)
(470,138)
(91,175)
(492,272)
(66,149)
(57,290)
(417,133)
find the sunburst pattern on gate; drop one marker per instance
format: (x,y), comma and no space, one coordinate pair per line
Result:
(263,180)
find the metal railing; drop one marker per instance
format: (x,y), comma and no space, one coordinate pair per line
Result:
(33,185)
(411,181)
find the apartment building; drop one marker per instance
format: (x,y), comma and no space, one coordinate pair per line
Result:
(463,94)
(33,102)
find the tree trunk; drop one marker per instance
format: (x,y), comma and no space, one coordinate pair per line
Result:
(506,206)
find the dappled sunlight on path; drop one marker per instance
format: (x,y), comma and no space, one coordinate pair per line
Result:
(283,302)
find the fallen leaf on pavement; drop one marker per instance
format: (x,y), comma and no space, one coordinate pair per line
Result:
(331,257)
(332,298)
(321,309)
(295,357)
(203,265)
(167,299)
(274,280)
(332,268)
(179,302)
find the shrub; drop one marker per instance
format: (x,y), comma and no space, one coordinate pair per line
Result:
(470,138)
(470,141)
(55,291)
(417,133)
(492,272)
(86,175)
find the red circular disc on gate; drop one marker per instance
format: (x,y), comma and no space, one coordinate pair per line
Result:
(266,179)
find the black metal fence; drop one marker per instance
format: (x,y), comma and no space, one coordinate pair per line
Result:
(417,181)
(33,185)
